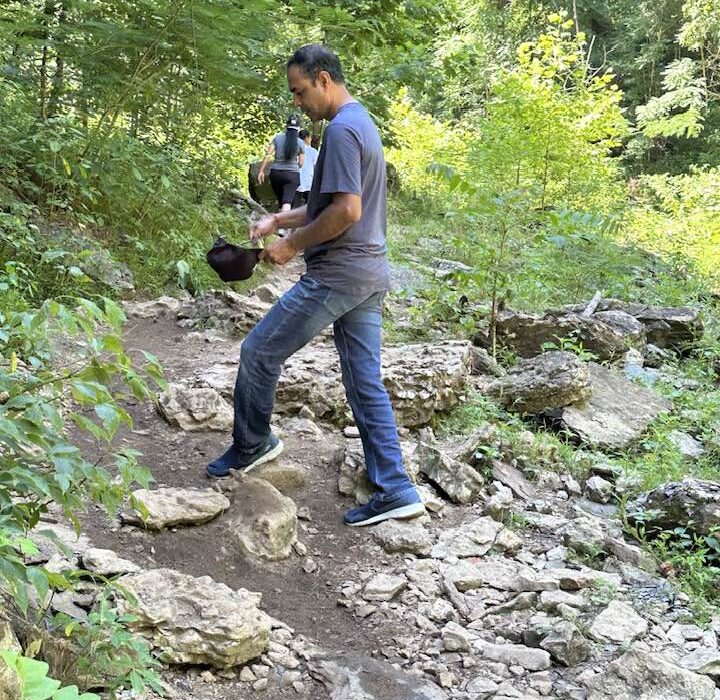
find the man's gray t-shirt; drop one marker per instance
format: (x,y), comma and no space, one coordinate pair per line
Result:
(351,161)
(280,163)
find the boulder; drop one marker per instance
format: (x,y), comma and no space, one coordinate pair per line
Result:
(421,380)
(527,333)
(223,309)
(618,623)
(642,675)
(625,324)
(550,380)
(566,644)
(167,507)
(190,408)
(196,620)
(675,328)
(357,677)
(616,414)
(665,326)
(261,193)
(459,481)
(677,503)
(262,519)
(154,308)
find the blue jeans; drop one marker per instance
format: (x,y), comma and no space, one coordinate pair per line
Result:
(293,322)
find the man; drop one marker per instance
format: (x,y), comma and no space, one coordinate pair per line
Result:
(308,167)
(342,234)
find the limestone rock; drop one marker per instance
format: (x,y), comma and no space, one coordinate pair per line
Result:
(262,194)
(501,573)
(262,519)
(498,505)
(617,412)
(396,536)
(526,333)
(514,655)
(458,480)
(598,489)
(468,540)
(353,480)
(549,380)
(677,503)
(457,638)
(169,506)
(105,562)
(196,620)
(619,623)
(284,475)
(670,327)
(357,677)
(566,644)
(384,587)
(625,324)
(702,660)
(224,309)
(641,675)
(687,445)
(195,408)
(675,328)
(421,379)
(162,306)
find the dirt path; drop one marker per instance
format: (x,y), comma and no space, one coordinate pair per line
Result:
(305,601)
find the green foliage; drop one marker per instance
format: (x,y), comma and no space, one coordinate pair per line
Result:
(107,652)
(679,111)
(35,683)
(62,365)
(694,562)
(677,217)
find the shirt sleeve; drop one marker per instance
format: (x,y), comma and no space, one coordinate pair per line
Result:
(301,146)
(343,156)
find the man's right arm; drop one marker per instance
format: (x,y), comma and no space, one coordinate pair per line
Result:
(293,218)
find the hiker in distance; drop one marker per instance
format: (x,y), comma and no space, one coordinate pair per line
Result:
(288,150)
(342,233)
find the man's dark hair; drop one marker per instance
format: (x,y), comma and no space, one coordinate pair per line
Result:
(315,57)
(304,133)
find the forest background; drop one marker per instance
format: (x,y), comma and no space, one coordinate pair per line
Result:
(555,148)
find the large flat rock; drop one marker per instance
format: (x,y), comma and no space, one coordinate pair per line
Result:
(617,412)
(422,379)
(170,506)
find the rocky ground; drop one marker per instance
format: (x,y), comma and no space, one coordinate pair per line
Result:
(518,583)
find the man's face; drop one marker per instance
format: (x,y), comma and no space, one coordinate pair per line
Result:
(313,100)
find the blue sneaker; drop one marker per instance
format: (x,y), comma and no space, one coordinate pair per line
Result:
(406,505)
(233,459)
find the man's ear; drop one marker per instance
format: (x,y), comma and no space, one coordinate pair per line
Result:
(324,78)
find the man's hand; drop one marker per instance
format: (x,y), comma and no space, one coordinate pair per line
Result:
(263,228)
(279,252)
(261,177)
